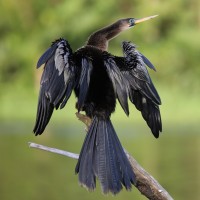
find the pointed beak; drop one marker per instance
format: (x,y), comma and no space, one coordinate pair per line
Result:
(137,21)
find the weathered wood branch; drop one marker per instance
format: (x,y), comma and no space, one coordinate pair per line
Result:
(145,183)
(54,150)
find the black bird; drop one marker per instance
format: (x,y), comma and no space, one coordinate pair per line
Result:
(98,78)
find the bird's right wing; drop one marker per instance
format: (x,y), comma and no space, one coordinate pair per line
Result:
(57,82)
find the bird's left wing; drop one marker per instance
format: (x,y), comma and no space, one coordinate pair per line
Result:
(142,92)
(57,82)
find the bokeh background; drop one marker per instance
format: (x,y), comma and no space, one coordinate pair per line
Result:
(171,42)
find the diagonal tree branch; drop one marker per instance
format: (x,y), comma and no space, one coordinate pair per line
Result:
(145,183)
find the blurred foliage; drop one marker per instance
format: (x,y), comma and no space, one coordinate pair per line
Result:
(171,41)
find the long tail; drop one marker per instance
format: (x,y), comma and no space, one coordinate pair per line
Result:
(102,156)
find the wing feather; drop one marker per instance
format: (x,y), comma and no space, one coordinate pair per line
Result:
(147,62)
(45,57)
(120,84)
(84,81)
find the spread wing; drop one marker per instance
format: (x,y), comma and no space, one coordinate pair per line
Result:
(142,92)
(57,82)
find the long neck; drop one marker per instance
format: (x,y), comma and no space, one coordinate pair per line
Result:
(101,37)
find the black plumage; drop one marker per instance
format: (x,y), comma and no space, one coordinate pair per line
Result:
(98,79)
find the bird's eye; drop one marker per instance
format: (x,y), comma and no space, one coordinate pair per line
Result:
(131,22)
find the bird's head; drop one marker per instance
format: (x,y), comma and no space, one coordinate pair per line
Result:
(131,22)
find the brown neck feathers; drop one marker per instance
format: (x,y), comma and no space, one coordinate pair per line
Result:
(101,37)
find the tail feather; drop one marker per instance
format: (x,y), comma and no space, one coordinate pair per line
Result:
(128,177)
(102,156)
(87,180)
(114,163)
(108,171)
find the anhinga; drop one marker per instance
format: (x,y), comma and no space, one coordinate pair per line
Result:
(98,79)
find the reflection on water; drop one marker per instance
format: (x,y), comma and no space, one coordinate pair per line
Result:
(173,160)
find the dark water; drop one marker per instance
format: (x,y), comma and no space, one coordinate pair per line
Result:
(173,159)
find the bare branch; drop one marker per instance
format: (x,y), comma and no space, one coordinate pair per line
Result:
(145,183)
(54,150)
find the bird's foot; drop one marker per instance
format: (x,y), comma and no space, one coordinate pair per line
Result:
(85,119)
